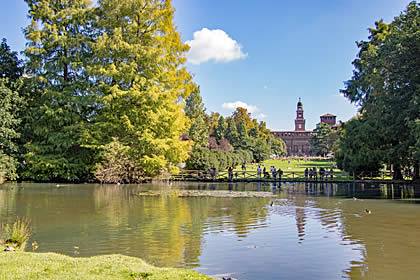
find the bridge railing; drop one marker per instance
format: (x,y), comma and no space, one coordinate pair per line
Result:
(254,175)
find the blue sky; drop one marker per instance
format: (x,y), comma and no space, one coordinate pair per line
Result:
(265,54)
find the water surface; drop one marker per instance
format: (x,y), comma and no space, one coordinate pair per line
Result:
(307,231)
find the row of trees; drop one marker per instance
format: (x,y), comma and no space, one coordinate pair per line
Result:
(386,86)
(222,142)
(103,92)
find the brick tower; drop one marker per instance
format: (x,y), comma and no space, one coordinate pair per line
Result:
(300,121)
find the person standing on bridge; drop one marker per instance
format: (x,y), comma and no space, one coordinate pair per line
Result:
(280,172)
(259,171)
(273,172)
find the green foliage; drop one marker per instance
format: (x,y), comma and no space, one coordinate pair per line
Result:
(259,148)
(138,65)
(194,105)
(240,115)
(243,133)
(232,134)
(385,85)
(194,109)
(199,131)
(11,103)
(17,234)
(10,64)
(277,145)
(11,107)
(321,139)
(355,150)
(98,73)
(58,38)
(221,128)
(203,159)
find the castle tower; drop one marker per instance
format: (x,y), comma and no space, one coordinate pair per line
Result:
(300,121)
(329,119)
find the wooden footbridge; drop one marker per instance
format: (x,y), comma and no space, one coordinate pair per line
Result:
(287,176)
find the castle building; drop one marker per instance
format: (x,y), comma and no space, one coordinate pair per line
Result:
(330,120)
(297,141)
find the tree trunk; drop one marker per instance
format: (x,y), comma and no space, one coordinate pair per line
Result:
(397,173)
(416,170)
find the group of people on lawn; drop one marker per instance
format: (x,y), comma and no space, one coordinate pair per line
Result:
(311,173)
(323,173)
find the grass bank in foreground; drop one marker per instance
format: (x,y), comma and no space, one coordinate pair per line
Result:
(19,265)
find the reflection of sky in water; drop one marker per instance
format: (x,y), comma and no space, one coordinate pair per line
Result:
(312,231)
(296,240)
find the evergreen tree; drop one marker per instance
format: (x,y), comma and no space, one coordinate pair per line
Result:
(10,65)
(243,134)
(253,132)
(194,105)
(11,106)
(57,53)
(320,140)
(11,103)
(138,66)
(221,128)
(195,110)
(232,134)
(385,85)
(199,131)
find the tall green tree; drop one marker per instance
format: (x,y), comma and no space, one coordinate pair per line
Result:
(242,115)
(57,53)
(140,80)
(194,105)
(320,140)
(385,85)
(243,134)
(11,103)
(11,107)
(195,110)
(221,128)
(10,65)
(232,134)
(354,151)
(199,131)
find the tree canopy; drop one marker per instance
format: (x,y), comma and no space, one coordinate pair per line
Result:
(385,84)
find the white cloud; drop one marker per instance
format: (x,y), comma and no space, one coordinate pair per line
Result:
(213,45)
(261,116)
(233,105)
(265,87)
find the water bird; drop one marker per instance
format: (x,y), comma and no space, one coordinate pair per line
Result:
(368,211)
(354,198)
(272,203)
(9,249)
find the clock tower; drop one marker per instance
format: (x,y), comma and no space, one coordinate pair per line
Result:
(300,121)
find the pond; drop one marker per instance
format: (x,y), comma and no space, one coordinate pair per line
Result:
(305,231)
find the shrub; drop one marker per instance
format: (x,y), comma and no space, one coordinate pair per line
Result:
(18,234)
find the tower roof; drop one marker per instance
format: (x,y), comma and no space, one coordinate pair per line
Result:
(299,104)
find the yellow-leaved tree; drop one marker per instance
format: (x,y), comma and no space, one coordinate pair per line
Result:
(141,84)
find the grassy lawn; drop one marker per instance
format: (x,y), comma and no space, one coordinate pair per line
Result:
(19,265)
(296,165)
